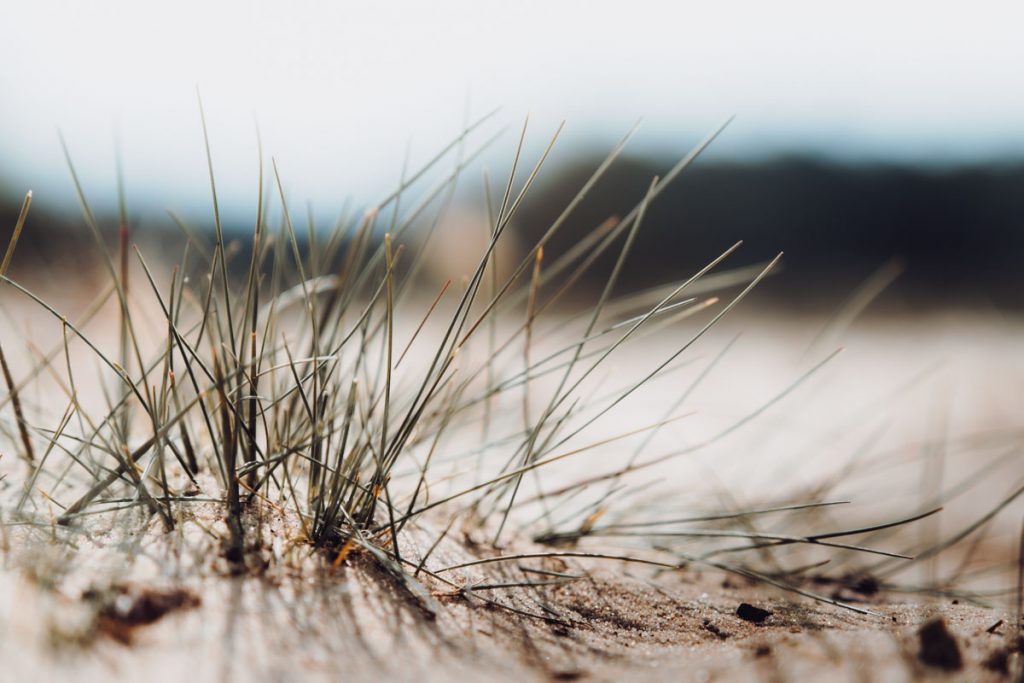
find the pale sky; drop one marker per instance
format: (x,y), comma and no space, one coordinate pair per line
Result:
(340,89)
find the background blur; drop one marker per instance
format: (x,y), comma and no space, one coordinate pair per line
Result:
(864,133)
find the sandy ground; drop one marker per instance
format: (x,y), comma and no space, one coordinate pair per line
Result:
(354,623)
(912,408)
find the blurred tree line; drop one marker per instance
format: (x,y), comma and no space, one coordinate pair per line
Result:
(959,231)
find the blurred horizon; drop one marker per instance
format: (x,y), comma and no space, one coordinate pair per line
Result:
(344,92)
(950,237)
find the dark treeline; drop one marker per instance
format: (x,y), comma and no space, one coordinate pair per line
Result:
(959,232)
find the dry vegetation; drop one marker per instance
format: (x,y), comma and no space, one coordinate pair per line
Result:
(280,458)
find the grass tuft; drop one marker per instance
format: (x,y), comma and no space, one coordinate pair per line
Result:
(314,380)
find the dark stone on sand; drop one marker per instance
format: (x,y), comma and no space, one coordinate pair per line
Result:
(748,612)
(938,646)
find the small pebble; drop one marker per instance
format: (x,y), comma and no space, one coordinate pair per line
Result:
(748,612)
(938,646)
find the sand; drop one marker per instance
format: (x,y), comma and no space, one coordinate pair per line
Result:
(307,620)
(122,600)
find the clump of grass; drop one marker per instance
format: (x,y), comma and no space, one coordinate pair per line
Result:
(309,373)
